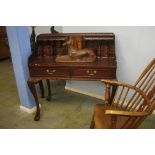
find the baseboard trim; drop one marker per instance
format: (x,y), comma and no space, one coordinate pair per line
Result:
(84,92)
(29,110)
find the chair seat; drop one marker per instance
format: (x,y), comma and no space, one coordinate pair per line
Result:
(102,121)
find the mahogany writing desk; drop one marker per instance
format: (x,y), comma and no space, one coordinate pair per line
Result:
(42,64)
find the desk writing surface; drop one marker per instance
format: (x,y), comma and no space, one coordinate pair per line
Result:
(50,61)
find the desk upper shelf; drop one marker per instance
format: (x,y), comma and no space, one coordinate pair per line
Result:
(49,46)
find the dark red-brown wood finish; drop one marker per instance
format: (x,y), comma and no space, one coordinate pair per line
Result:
(42,64)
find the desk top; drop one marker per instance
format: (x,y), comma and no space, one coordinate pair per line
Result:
(50,61)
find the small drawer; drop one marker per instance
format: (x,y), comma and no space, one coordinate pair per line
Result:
(93,73)
(53,72)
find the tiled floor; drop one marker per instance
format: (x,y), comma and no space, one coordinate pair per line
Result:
(65,110)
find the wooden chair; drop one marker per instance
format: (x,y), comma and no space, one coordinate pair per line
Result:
(126,106)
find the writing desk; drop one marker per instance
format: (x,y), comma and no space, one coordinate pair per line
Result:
(42,64)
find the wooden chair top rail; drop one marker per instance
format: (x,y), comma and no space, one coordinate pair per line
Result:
(150,67)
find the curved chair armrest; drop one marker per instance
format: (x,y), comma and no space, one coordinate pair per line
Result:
(125,113)
(116,83)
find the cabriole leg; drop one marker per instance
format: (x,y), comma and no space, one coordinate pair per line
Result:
(31,85)
(49,90)
(41,88)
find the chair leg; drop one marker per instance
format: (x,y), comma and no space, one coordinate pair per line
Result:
(92,125)
(49,90)
(113,122)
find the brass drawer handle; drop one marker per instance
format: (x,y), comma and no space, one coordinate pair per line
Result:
(50,71)
(91,73)
(37,64)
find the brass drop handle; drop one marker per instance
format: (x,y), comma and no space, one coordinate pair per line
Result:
(37,64)
(51,71)
(91,73)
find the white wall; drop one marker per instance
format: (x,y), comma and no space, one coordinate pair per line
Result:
(135,47)
(45,29)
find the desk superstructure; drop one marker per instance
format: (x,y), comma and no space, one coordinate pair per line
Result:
(42,64)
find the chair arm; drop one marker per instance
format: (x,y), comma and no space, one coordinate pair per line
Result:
(125,113)
(116,83)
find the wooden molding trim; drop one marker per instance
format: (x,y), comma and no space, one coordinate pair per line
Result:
(84,92)
(29,110)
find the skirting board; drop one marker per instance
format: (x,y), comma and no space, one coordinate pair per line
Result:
(84,92)
(28,110)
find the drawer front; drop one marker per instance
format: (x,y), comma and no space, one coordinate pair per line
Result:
(93,73)
(53,72)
